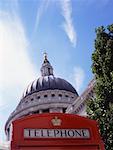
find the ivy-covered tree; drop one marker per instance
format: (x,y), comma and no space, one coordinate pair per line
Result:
(100,107)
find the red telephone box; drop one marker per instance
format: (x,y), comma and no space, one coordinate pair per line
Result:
(55,131)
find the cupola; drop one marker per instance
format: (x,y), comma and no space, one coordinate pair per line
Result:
(46,69)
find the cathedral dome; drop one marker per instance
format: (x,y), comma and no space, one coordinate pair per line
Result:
(47,94)
(48,83)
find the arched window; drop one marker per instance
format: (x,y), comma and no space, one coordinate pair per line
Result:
(38,97)
(66,96)
(64,110)
(60,95)
(32,99)
(45,110)
(45,96)
(53,95)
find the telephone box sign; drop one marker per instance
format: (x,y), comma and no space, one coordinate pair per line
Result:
(56,133)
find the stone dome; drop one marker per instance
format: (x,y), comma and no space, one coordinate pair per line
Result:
(49,83)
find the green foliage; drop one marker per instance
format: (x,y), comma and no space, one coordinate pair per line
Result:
(100,108)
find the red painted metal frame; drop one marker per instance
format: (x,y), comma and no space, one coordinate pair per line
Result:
(43,121)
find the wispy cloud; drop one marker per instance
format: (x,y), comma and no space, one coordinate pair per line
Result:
(4,145)
(16,68)
(66,10)
(40,11)
(15,64)
(79,76)
(68,25)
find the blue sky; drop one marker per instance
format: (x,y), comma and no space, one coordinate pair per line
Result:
(65,29)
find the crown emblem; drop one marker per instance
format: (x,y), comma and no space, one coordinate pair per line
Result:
(56,121)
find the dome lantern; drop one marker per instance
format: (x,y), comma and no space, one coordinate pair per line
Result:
(46,69)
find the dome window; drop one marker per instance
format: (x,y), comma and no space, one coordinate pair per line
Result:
(64,110)
(46,111)
(60,95)
(66,96)
(53,95)
(38,97)
(45,96)
(36,112)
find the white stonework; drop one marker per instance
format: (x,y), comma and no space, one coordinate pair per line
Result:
(4,145)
